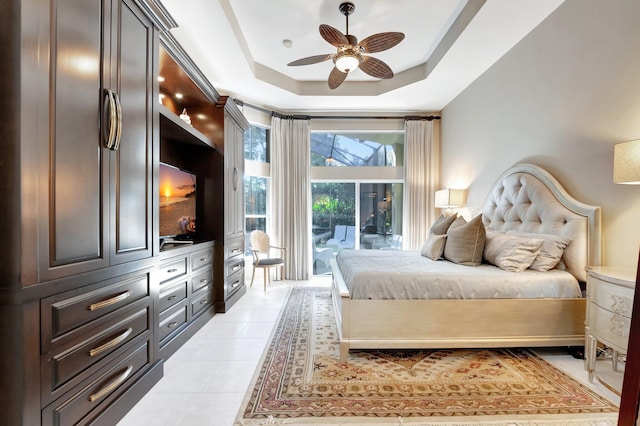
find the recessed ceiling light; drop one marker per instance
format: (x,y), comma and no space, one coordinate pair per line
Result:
(287,43)
(160,78)
(179,95)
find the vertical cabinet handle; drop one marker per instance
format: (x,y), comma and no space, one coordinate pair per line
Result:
(112,120)
(236,179)
(109,119)
(118,135)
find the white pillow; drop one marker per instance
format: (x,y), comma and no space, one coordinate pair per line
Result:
(510,252)
(551,251)
(434,246)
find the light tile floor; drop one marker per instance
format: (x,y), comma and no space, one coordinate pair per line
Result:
(205,381)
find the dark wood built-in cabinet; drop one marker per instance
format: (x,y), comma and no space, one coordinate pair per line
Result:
(212,146)
(90,304)
(186,293)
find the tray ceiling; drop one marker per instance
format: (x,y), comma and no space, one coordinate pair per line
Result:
(240,46)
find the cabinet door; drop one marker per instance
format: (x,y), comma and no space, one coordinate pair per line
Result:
(239,157)
(131,166)
(96,204)
(233,177)
(72,191)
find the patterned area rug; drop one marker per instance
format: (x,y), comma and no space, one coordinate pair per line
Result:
(301,381)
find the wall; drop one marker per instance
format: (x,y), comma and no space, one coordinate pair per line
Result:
(561,99)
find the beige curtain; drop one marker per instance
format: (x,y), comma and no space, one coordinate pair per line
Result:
(421,179)
(290,192)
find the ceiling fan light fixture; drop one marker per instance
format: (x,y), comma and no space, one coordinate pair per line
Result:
(348,61)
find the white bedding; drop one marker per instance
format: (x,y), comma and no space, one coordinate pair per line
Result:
(387,274)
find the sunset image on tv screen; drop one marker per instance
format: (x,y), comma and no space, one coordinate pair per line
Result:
(177,201)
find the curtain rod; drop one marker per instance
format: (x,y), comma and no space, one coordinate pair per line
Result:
(337,117)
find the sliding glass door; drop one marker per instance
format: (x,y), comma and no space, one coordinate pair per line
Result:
(354,215)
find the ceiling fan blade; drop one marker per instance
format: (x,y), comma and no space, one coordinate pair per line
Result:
(333,36)
(336,78)
(376,68)
(311,60)
(381,41)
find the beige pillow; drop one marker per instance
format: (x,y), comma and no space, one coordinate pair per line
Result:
(434,246)
(510,252)
(465,241)
(442,224)
(550,252)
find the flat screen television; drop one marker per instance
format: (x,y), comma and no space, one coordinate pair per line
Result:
(177,204)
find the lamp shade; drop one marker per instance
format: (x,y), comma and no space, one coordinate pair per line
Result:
(447,198)
(626,162)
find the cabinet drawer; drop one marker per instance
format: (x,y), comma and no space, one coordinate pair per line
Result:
(612,297)
(234,247)
(235,265)
(200,280)
(201,300)
(611,328)
(173,268)
(70,310)
(201,259)
(172,320)
(233,282)
(71,410)
(172,294)
(71,359)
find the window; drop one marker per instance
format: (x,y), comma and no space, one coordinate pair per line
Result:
(256,179)
(256,144)
(255,198)
(357,149)
(357,205)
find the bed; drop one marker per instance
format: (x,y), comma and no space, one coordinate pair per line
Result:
(524,199)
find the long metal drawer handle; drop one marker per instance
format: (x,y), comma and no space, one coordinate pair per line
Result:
(172,297)
(172,324)
(235,267)
(110,344)
(235,284)
(202,302)
(111,386)
(236,250)
(204,280)
(202,259)
(109,126)
(171,271)
(111,301)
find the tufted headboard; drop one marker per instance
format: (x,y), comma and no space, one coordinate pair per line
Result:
(527,198)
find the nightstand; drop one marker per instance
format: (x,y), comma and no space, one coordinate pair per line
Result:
(609,306)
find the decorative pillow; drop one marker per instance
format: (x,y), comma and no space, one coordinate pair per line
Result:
(434,247)
(465,241)
(442,224)
(510,252)
(551,251)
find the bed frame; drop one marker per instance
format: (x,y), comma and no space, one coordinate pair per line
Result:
(524,198)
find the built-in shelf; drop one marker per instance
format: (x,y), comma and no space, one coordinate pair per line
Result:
(174,129)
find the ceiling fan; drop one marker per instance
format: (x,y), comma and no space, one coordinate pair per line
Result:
(352,54)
